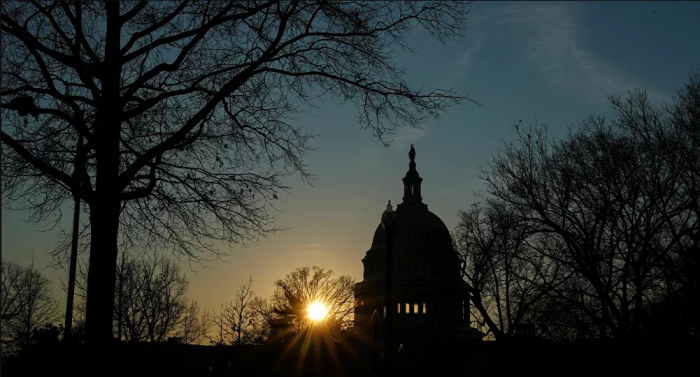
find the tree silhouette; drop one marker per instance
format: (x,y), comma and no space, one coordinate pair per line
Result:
(185,110)
(11,279)
(195,325)
(290,302)
(617,202)
(238,322)
(506,276)
(27,306)
(150,302)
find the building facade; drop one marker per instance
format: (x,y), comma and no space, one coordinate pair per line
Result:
(429,298)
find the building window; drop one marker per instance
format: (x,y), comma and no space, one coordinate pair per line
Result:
(424,308)
(408,308)
(398,308)
(415,308)
(384,312)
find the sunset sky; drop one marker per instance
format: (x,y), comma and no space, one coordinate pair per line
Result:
(551,61)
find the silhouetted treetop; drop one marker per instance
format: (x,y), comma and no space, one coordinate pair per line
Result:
(203,92)
(603,227)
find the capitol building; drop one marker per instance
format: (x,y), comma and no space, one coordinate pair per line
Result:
(429,299)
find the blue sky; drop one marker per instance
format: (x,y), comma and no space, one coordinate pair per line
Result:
(548,61)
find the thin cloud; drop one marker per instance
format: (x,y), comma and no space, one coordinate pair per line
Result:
(464,61)
(405,136)
(310,246)
(465,58)
(308,253)
(310,249)
(546,37)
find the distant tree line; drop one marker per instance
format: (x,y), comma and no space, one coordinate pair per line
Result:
(151,306)
(596,235)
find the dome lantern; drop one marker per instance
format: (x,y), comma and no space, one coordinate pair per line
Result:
(412,182)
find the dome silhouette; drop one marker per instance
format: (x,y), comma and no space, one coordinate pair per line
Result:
(429,299)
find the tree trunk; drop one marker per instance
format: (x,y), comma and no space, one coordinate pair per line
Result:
(104,219)
(105,208)
(68,326)
(120,302)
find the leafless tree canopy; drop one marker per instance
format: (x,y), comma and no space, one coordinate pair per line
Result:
(11,302)
(290,302)
(505,274)
(608,223)
(195,324)
(185,108)
(150,303)
(205,95)
(27,305)
(238,322)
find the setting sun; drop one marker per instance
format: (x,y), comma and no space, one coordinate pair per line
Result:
(317,311)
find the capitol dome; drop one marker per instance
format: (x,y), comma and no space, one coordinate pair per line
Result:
(429,299)
(416,226)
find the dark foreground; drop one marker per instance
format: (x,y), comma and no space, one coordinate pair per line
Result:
(301,355)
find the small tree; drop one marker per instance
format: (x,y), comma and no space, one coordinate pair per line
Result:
(162,297)
(149,300)
(238,323)
(12,301)
(28,305)
(195,325)
(298,290)
(505,276)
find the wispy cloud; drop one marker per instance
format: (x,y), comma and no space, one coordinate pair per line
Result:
(405,136)
(464,61)
(311,246)
(465,58)
(308,253)
(546,36)
(310,249)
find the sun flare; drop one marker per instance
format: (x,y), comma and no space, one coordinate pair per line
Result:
(317,311)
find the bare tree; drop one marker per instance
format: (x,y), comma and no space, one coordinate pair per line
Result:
(12,291)
(265,316)
(195,325)
(670,133)
(505,276)
(617,205)
(27,303)
(185,110)
(162,297)
(299,289)
(150,301)
(238,323)
(129,314)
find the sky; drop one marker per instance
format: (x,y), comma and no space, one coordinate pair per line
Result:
(546,61)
